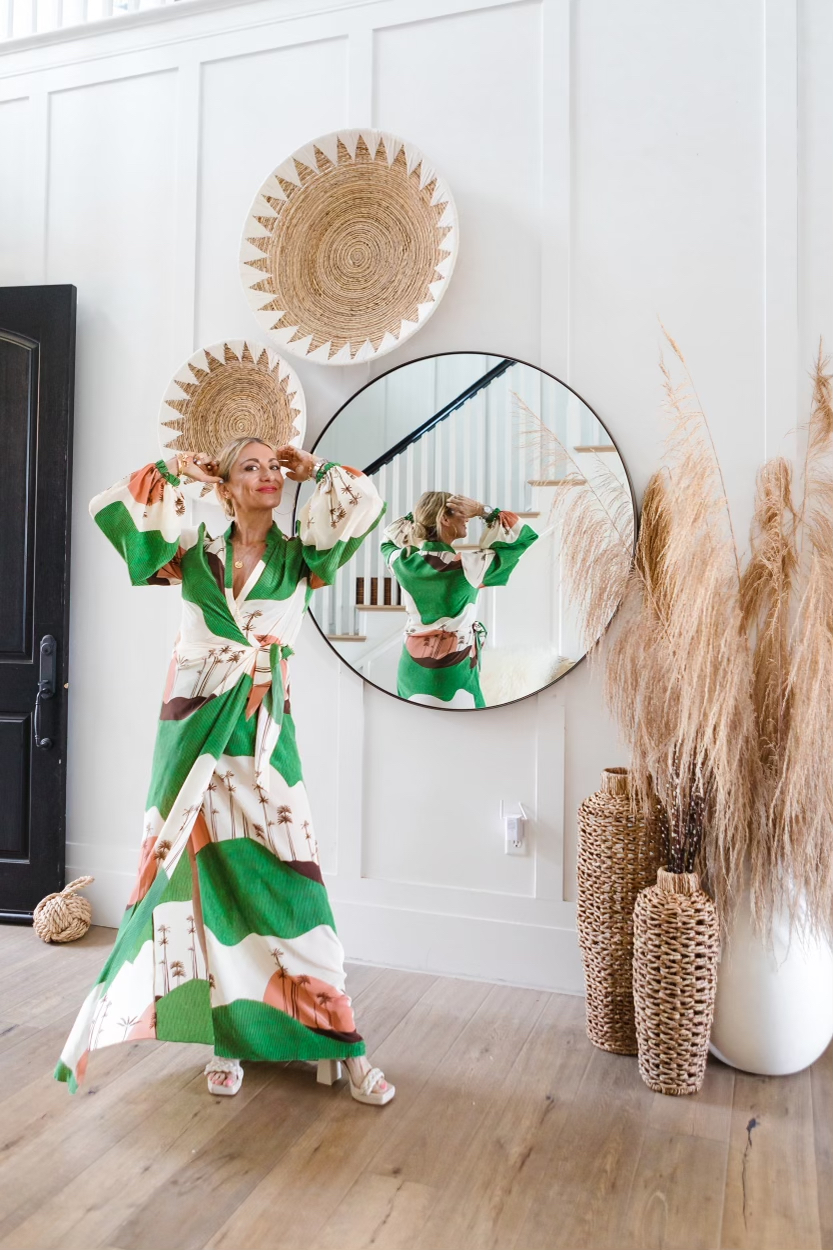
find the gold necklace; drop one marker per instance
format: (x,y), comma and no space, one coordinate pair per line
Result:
(238,564)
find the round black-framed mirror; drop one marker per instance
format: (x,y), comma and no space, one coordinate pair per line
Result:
(509,530)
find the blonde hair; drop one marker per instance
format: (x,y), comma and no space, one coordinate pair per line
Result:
(226,461)
(427,511)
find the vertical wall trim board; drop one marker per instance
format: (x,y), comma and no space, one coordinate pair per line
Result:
(38,182)
(782,371)
(360,70)
(556,145)
(188,143)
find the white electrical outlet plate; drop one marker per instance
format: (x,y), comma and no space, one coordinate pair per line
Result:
(515,835)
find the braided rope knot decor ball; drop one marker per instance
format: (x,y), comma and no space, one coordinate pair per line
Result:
(617,857)
(64,916)
(676,951)
(349,247)
(227,390)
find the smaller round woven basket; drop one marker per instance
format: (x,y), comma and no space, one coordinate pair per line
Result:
(228,390)
(617,857)
(65,916)
(676,950)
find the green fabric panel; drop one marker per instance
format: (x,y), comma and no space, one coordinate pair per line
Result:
(325,564)
(249,1029)
(283,567)
(138,930)
(143,551)
(507,556)
(180,743)
(63,1073)
(246,889)
(166,473)
(442,683)
(285,757)
(184,1015)
(243,736)
(199,586)
(181,885)
(435,593)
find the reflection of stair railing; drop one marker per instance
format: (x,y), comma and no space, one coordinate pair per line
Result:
(443,415)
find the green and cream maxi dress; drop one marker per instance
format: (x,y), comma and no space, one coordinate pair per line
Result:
(228,937)
(441,655)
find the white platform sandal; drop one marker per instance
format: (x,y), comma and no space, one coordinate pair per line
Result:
(220,1064)
(330,1071)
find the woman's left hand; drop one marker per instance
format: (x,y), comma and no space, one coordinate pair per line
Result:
(297,464)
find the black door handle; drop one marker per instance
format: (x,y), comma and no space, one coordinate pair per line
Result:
(46,684)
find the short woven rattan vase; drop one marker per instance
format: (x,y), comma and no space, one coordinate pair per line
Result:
(676,949)
(617,857)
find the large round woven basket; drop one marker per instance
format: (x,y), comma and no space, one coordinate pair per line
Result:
(676,949)
(349,247)
(617,857)
(227,390)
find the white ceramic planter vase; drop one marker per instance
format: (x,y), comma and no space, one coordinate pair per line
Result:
(774,1008)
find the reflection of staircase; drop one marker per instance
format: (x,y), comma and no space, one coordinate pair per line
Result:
(471,446)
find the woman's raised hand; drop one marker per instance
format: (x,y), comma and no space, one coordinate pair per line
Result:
(462,506)
(197,465)
(297,464)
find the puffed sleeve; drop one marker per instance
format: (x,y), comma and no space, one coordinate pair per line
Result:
(398,535)
(502,543)
(143,516)
(334,522)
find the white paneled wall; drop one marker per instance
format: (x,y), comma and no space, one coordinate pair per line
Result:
(612,165)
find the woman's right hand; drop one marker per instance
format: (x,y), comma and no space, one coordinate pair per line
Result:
(463,506)
(198,465)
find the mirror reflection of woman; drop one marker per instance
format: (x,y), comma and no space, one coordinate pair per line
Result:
(440,661)
(228,937)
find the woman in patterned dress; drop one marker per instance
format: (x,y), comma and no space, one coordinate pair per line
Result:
(228,937)
(440,661)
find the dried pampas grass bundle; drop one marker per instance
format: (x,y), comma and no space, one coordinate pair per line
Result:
(795,696)
(721,678)
(678,672)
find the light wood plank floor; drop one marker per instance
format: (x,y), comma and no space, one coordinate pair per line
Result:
(508,1130)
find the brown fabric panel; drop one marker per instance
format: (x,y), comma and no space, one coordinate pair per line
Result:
(218,569)
(444,661)
(307,868)
(179,707)
(442,566)
(338,1037)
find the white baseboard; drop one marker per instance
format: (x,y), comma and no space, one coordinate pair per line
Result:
(536,956)
(484,950)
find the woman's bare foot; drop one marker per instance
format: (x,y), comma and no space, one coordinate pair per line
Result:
(224,1075)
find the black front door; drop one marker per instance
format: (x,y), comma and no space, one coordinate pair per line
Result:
(37,367)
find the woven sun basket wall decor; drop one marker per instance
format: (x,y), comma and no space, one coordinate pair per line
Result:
(349,247)
(64,916)
(676,951)
(617,857)
(227,390)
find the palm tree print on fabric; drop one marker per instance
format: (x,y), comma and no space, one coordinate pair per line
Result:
(285,819)
(312,1002)
(164,930)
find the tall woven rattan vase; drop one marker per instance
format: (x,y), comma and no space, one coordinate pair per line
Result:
(676,949)
(617,857)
